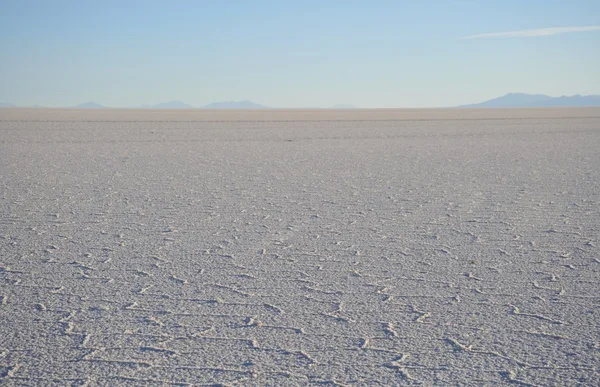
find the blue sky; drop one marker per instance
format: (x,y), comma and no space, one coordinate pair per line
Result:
(295,53)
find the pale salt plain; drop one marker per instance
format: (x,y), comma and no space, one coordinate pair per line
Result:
(292,247)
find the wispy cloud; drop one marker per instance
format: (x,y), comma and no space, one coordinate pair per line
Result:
(533,33)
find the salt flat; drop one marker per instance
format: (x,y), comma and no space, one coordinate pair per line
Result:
(293,247)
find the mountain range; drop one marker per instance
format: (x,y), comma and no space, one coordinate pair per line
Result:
(214,105)
(169,105)
(90,105)
(516,100)
(510,100)
(175,104)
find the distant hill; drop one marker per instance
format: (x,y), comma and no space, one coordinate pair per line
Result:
(6,105)
(90,105)
(343,106)
(170,105)
(235,105)
(537,100)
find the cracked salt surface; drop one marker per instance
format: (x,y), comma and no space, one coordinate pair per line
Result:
(300,247)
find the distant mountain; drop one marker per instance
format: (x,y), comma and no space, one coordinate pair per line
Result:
(170,105)
(6,105)
(235,105)
(343,106)
(537,100)
(90,105)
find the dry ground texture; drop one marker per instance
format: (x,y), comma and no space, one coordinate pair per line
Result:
(292,247)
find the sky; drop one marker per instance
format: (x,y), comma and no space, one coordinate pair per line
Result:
(295,53)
